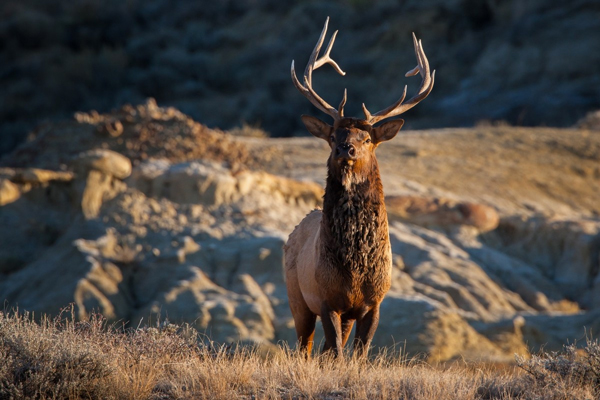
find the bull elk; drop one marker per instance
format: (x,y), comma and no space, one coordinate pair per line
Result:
(338,260)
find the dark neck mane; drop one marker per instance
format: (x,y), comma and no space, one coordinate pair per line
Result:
(354,225)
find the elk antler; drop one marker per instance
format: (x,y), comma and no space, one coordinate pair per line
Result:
(426,85)
(314,63)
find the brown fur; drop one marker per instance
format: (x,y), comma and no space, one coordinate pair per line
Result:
(338,260)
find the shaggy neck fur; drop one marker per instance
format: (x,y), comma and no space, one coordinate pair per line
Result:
(354,226)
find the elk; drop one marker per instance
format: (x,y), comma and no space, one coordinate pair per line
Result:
(338,260)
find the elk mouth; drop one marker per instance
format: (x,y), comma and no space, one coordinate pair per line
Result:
(347,175)
(346,168)
(345,162)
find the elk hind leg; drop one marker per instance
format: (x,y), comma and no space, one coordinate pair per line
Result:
(305,330)
(304,319)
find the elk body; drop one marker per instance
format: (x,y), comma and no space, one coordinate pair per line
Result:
(338,260)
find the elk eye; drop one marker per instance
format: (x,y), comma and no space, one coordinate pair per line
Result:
(368,141)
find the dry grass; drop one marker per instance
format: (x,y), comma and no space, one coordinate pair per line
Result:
(62,359)
(574,367)
(248,130)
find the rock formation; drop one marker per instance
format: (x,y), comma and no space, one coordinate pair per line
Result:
(96,213)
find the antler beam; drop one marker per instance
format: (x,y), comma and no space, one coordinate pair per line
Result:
(426,86)
(313,63)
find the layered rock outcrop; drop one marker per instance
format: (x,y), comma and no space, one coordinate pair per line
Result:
(200,241)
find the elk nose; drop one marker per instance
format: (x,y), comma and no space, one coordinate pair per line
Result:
(346,150)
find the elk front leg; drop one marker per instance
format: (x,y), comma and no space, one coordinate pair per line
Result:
(365,329)
(346,329)
(332,326)
(347,325)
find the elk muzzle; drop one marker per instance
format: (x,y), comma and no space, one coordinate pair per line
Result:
(345,151)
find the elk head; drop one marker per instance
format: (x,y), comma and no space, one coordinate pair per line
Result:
(352,140)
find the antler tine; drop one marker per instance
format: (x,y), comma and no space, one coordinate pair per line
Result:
(313,63)
(310,65)
(326,59)
(427,81)
(386,110)
(342,104)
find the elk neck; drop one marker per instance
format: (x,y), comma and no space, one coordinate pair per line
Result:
(354,226)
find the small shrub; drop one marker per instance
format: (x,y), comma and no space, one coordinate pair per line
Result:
(573,367)
(51,359)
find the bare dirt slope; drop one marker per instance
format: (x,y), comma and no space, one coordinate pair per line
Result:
(553,172)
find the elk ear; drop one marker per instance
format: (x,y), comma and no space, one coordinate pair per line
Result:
(317,127)
(387,131)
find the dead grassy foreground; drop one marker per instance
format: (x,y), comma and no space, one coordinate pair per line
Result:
(62,359)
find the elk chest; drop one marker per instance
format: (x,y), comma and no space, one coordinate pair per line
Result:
(356,243)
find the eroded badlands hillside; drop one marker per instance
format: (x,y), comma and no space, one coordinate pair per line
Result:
(144,213)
